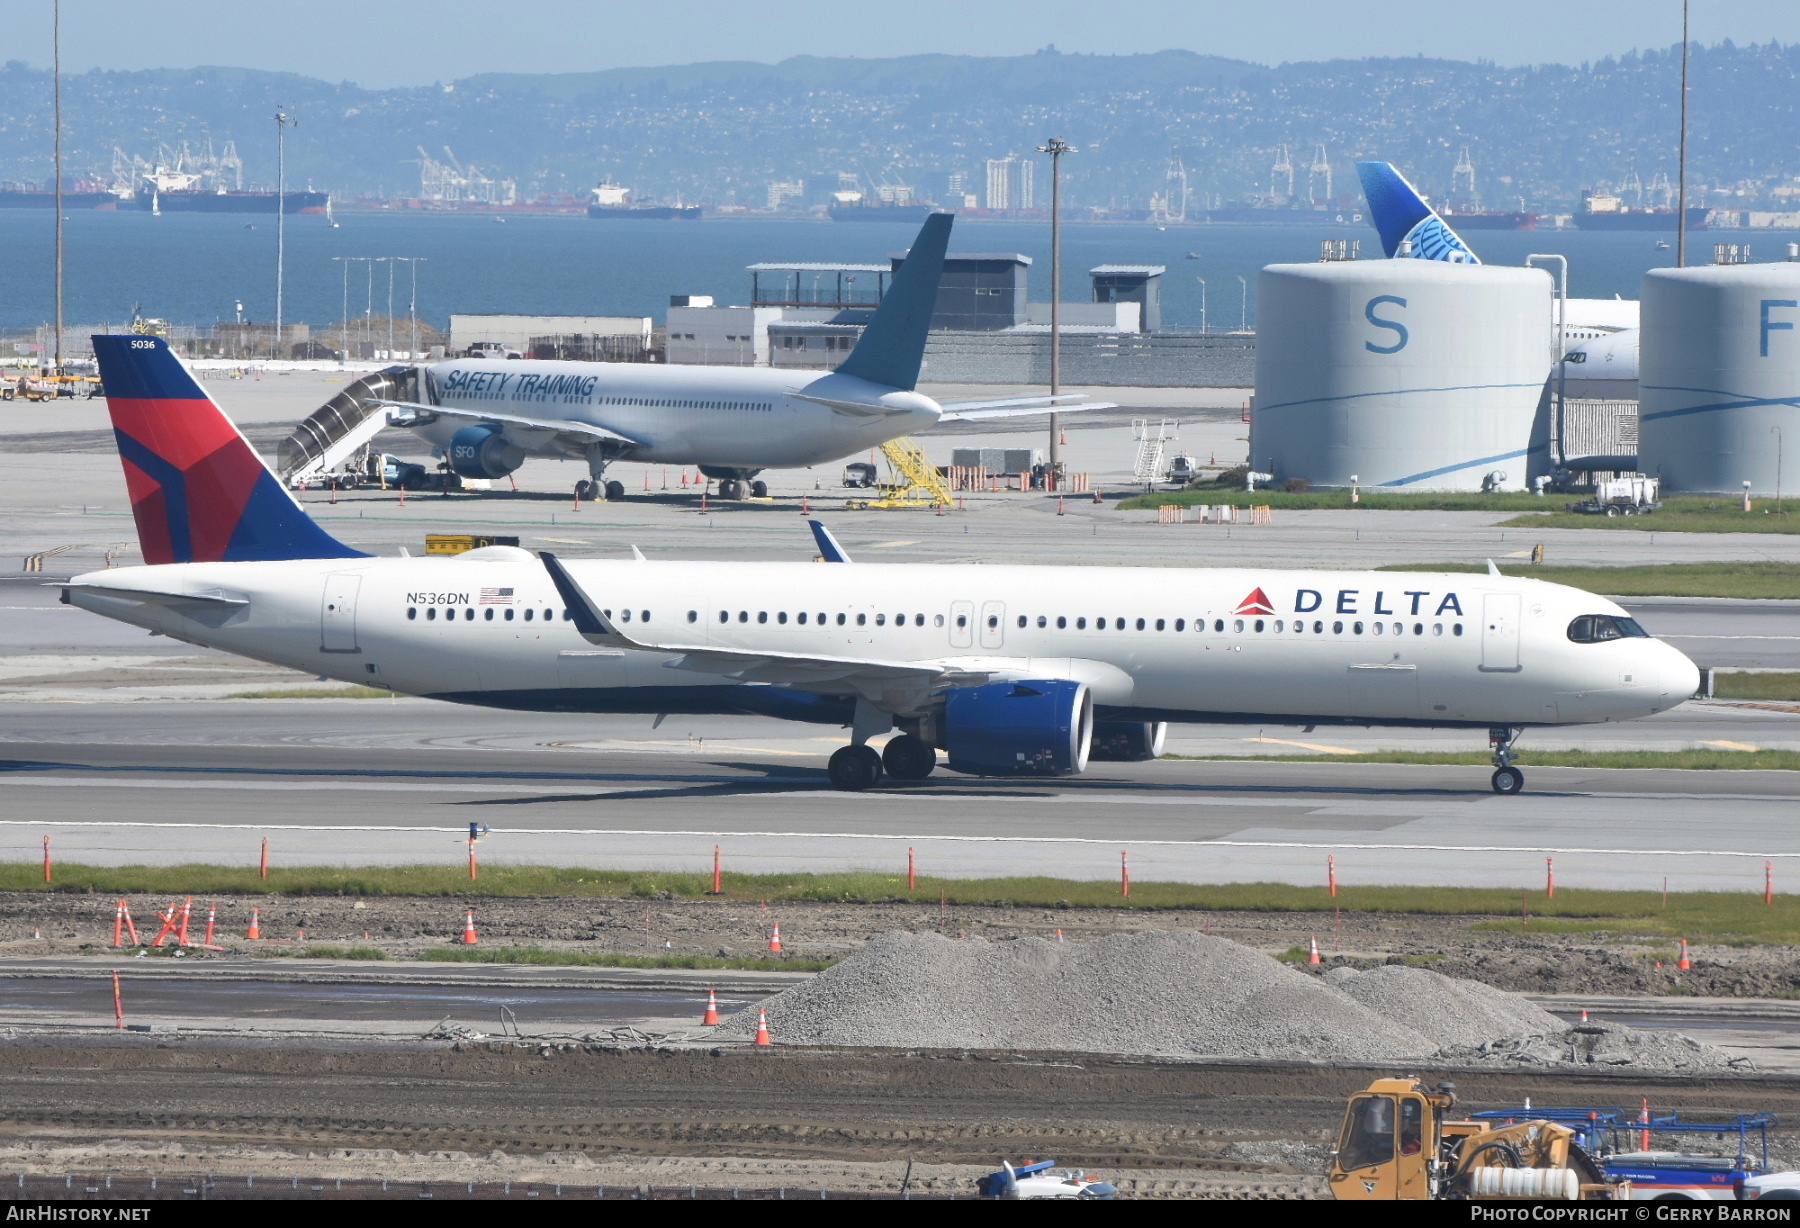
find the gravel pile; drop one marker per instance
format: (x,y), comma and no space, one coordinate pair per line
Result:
(1448,1012)
(1153,993)
(1182,994)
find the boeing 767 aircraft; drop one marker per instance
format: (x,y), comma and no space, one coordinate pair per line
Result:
(1012,671)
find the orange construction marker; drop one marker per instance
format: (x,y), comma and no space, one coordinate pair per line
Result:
(762,1028)
(711,1018)
(775,938)
(469,938)
(255,930)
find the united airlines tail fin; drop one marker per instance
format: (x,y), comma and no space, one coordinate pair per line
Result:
(893,345)
(1401,215)
(198,489)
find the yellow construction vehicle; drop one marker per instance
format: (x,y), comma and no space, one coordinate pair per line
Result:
(1397,1143)
(913,481)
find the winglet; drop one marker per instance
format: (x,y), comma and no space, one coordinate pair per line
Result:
(1492,570)
(892,347)
(593,625)
(829,550)
(1401,215)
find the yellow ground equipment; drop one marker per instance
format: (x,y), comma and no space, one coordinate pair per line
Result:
(913,481)
(1397,1143)
(461,543)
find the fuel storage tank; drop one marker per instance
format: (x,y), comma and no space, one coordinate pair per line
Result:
(1719,377)
(1408,374)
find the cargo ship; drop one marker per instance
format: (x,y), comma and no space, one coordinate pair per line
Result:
(1484,219)
(14,197)
(1610,213)
(227,201)
(612,201)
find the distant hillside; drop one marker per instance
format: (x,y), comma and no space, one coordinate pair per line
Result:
(721,132)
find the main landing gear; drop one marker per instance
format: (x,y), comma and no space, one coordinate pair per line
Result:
(855,768)
(1507,779)
(612,492)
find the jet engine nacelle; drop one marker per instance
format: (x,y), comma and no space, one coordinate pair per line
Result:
(1128,741)
(482,451)
(1030,728)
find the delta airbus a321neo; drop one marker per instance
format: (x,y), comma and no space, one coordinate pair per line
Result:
(1012,671)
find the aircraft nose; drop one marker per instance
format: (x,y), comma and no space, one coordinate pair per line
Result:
(1680,677)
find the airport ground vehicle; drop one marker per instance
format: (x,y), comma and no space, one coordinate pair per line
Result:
(1631,495)
(1646,1174)
(1399,1142)
(1041,1180)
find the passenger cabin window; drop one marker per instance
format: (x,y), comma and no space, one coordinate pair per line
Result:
(1597,628)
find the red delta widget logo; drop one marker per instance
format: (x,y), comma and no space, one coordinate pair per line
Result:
(1409,602)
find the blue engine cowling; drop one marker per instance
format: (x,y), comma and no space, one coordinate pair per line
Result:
(482,451)
(1031,728)
(1128,741)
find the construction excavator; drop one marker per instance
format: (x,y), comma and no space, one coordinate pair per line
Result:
(1399,1142)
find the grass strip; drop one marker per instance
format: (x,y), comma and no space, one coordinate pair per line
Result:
(311,692)
(1721,915)
(1720,517)
(1761,580)
(1695,760)
(596,959)
(1756,686)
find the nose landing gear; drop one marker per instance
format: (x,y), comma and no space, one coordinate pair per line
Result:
(1507,779)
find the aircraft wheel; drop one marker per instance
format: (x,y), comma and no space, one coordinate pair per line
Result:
(1508,780)
(615,492)
(908,758)
(731,488)
(759,490)
(854,768)
(584,490)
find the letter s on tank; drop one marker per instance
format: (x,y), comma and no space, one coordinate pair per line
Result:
(1378,322)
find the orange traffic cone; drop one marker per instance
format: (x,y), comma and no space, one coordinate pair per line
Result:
(775,938)
(1059,506)
(805,507)
(1584,1017)
(255,930)
(469,938)
(1684,963)
(762,1028)
(1313,955)
(711,1018)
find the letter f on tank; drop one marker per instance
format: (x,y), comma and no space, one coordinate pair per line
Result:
(1775,326)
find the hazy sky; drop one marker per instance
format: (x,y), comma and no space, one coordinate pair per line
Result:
(410,42)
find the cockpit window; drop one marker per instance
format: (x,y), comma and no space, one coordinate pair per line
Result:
(1595,628)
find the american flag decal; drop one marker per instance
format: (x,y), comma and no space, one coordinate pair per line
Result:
(496,596)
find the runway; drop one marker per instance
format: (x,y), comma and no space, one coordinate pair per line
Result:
(354,782)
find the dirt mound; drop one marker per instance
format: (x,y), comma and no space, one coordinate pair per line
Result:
(1448,1012)
(1155,992)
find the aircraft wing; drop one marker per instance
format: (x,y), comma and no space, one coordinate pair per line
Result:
(1016,407)
(561,426)
(792,668)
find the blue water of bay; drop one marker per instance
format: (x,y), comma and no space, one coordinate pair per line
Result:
(195,268)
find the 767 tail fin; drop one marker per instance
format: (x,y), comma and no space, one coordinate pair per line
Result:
(198,490)
(1401,214)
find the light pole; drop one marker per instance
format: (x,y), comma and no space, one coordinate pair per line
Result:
(1202,282)
(1056,147)
(1243,304)
(282,120)
(1681,197)
(56,76)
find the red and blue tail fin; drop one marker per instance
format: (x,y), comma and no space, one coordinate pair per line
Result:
(198,489)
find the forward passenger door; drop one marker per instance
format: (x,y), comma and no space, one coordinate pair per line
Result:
(1500,633)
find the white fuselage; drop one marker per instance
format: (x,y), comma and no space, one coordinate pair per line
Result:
(728,417)
(1359,647)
